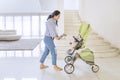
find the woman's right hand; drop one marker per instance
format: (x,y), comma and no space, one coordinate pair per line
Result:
(64,35)
(59,37)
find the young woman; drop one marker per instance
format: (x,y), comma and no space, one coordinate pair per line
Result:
(49,37)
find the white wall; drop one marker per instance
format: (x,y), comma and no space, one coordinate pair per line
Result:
(20,6)
(71,4)
(49,5)
(61,21)
(104,17)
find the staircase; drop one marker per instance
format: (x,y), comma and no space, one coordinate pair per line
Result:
(96,43)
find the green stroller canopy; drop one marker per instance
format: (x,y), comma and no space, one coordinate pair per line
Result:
(84,31)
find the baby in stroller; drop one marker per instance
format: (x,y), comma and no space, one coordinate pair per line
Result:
(78,50)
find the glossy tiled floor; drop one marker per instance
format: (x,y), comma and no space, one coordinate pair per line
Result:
(28,69)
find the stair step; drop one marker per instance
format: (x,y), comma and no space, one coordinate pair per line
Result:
(88,42)
(95,49)
(60,44)
(94,45)
(71,29)
(102,48)
(71,22)
(92,37)
(106,54)
(63,54)
(69,18)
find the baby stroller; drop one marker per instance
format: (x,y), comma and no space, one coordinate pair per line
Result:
(86,54)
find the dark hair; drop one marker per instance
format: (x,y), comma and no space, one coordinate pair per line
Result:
(55,13)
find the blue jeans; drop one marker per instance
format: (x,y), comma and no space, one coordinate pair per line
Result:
(49,47)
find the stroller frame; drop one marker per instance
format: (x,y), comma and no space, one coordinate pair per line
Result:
(73,55)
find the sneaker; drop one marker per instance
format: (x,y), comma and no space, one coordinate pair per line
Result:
(57,68)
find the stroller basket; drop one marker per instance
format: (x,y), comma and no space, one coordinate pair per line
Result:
(87,55)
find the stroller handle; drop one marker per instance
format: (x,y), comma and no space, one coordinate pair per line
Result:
(75,39)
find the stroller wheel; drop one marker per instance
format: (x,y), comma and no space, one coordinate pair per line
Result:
(95,68)
(68,59)
(69,68)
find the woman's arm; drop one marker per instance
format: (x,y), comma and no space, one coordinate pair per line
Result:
(58,37)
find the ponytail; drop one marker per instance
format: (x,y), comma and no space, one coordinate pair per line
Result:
(50,16)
